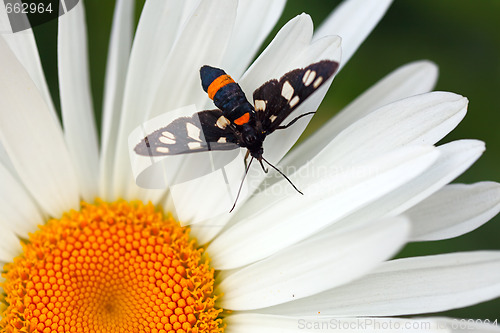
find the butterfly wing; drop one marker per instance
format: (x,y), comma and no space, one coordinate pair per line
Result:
(275,100)
(204,131)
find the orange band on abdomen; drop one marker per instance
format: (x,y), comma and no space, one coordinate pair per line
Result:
(243,119)
(218,83)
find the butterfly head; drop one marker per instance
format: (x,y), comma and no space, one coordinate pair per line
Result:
(252,138)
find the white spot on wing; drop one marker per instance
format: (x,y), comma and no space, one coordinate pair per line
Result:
(294,101)
(287,90)
(222,140)
(317,82)
(193,131)
(163,150)
(167,141)
(169,135)
(222,122)
(260,105)
(194,145)
(308,77)
(272,118)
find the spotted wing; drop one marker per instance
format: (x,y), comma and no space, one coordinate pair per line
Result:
(275,100)
(204,131)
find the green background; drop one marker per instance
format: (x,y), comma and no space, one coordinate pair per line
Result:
(461,36)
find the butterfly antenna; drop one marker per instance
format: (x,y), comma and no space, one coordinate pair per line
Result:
(281,173)
(241,185)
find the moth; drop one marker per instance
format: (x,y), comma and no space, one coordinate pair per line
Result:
(236,122)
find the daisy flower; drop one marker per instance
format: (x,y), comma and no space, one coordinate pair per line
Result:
(84,249)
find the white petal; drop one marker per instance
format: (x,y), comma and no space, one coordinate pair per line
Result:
(255,322)
(161,23)
(156,32)
(455,157)
(158,28)
(454,210)
(250,323)
(205,231)
(33,140)
(18,212)
(76,103)
(202,41)
(5,160)
(213,192)
(280,142)
(411,79)
(155,35)
(116,70)
(10,245)
(422,119)
(254,21)
(353,21)
(281,223)
(277,58)
(23,45)
(312,266)
(409,286)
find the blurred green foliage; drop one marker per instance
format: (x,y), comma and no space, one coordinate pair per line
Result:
(461,36)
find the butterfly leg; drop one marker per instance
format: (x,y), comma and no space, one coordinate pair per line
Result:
(263,167)
(294,120)
(246,158)
(246,165)
(241,184)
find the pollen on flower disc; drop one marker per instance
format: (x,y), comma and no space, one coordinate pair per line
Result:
(110,267)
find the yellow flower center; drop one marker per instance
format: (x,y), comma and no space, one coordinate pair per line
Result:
(111,267)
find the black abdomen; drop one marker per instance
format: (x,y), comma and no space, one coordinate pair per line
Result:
(226,94)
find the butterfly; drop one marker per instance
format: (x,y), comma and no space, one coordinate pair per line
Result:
(237,123)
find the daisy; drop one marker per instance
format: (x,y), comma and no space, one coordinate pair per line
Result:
(85,249)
